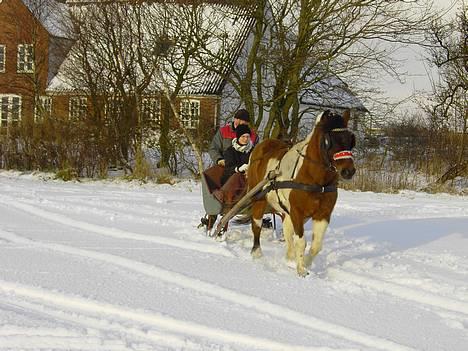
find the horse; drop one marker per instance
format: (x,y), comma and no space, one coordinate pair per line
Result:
(306,186)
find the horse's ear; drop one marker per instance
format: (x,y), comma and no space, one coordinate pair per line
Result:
(323,117)
(346,117)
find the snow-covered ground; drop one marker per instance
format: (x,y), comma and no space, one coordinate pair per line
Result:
(119,266)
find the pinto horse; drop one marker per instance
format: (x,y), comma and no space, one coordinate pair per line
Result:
(306,185)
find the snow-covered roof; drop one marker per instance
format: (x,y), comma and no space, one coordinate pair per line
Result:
(51,14)
(229,27)
(333,93)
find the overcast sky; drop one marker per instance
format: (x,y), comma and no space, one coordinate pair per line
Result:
(417,79)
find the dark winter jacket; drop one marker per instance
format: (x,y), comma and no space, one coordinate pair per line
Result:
(235,159)
(222,140)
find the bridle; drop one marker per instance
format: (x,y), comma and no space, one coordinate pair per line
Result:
(313,188)
(328,164)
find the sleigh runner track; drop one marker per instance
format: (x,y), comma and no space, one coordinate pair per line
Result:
(218,291)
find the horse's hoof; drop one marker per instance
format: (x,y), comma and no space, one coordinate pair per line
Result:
(220,237)
(308,260)
(256,252)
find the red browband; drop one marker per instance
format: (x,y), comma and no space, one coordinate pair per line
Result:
(342,155)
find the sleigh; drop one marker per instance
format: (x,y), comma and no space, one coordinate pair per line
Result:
(216,203)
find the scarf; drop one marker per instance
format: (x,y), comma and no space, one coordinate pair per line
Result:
(242,148)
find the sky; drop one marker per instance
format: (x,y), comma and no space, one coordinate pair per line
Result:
(114,265)
(418,70)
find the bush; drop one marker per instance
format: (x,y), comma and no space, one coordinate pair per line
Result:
(67,174)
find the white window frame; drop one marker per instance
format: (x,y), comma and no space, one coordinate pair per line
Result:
(43,108)
(151,109)
(25,63)
(8,114)
(190,113)
(77,107)
(2,58)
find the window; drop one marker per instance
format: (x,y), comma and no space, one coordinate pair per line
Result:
(113,107)
(10,110)
(77,107)
(2,58)
(43,108)
(190,113)
(150,109)
(25,58)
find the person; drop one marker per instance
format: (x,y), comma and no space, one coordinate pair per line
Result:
(222,139)
(236,159)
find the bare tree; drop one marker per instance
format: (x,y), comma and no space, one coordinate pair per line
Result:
(449,53)
(298,43)
(113,62)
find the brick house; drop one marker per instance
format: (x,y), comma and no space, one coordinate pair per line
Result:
(34,80)
(33,52)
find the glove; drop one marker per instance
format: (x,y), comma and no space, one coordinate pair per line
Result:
(221,162)
(243,168)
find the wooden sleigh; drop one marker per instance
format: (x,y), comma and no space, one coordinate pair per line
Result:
(211,183)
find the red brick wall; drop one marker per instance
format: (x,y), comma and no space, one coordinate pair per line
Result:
(18,26)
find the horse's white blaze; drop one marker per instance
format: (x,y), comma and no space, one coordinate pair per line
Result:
(317,236)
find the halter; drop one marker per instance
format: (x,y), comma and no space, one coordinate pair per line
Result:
(313,188)
(343,155)
(340,155)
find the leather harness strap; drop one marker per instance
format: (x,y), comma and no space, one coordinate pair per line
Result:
(289,184)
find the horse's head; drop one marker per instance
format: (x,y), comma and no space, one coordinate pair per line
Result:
(337,142)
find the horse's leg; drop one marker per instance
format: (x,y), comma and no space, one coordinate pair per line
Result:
(297,222)
(319,229)
(258,209)
(288,232)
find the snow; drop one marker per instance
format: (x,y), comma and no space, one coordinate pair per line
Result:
(109,265)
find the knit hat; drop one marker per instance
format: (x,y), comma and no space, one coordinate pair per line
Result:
(241,130)
(243,115)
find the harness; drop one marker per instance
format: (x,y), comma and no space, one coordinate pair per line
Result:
(291,184)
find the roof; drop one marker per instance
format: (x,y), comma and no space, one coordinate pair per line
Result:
(51,14)
(331,92)
(234,24)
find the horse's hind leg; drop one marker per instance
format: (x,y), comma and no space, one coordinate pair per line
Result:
(258,209)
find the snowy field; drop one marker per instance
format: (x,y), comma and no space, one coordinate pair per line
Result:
(119,266)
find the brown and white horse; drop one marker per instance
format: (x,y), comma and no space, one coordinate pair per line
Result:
(306,185)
